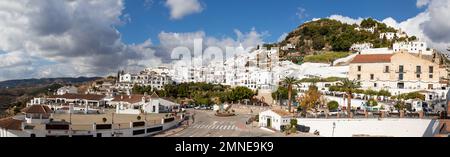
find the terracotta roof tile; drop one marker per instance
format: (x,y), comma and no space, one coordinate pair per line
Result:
(281,112)
(130,99)
(79,96)
(10,124)
(42,109)
(373,58)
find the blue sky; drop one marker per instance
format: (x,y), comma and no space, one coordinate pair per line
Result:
(219,18)
(97,38)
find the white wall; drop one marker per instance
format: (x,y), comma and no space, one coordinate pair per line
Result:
(373,127)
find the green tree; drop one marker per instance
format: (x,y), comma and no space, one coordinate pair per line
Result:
(333,105)
(310,99)
(368,23)
(348,86)
(240,93)
(290,82)
(318,43)
(282,93)
(372,102)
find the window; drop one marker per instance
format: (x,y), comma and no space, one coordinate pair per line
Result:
(359,77)
(372,76)
(431,69)
(418,69)
(375,85)
(418,75)
(400,69)
(400,85)
(431,76)
(386,69)
(400,76)
(154,109)
(359,68)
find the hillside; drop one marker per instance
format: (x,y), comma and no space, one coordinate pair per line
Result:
(44,81)
(327,35)
(18,92)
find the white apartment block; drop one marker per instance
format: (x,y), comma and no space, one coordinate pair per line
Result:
(67,90)
(401,72)
(393,35)
(417,47)
(288,47)
(252,70)
(358,47)
(156,79)
(371,29)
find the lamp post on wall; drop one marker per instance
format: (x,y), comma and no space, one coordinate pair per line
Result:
(334,126)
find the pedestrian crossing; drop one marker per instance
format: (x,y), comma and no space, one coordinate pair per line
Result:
(215,126)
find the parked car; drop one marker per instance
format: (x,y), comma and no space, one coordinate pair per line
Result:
(333,112)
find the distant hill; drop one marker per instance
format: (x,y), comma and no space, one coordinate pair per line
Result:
(45,81)
(18,92)
(327,35)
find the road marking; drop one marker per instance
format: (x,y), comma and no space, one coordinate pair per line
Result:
(234,128)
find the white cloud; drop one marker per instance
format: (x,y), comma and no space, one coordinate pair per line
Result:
(63,36)
(148,3)
(347,20)
(182,8)
(301,13)
(282,37)
(431,26)
(171,40)
(421,3)
(391,22)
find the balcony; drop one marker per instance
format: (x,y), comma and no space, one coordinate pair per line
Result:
(400,71)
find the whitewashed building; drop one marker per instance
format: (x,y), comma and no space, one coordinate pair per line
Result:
(358,47)
(156,78)
(393,35)
(416,47)
(67,90)
(140,104)
(274,119)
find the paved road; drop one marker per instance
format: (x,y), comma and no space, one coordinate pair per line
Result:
(206,124)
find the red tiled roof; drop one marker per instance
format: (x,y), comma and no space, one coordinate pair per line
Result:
(11,124)
(40,109)
(281,112)
(154,96)
(79,96)
(128,98)
(373,58)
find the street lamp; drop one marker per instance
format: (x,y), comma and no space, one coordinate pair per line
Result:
(334,126)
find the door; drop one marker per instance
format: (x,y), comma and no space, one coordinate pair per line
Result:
(269,123)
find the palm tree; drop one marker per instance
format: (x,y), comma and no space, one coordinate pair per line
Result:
(348,86)
(289,82)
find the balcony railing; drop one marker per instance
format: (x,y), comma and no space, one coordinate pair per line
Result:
(400,71)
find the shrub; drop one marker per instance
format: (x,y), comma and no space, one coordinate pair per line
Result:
(332,105)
